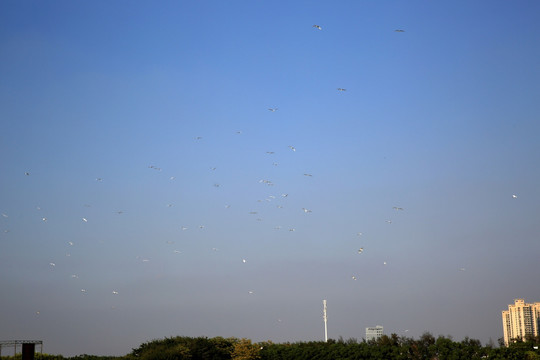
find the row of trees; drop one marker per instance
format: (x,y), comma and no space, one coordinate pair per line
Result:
(387,347)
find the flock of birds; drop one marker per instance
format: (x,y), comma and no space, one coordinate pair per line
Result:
(360,250)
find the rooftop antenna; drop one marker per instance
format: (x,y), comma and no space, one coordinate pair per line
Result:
(325,318)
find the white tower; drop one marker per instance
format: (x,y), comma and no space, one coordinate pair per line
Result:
(325,319)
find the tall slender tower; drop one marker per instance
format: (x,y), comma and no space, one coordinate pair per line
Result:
(325,319)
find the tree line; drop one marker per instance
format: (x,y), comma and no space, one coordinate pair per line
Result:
(427,347)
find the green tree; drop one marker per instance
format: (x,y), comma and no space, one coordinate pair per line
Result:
(243,349)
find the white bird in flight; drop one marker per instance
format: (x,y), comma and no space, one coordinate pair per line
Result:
(244,261)
(318,27)
(306,210)
(361,250)
(115,292)
(84,219)
(292,148)
(273,109)
(514,196)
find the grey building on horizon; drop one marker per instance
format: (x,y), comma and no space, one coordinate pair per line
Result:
(374,333)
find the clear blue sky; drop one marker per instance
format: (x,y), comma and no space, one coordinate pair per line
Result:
(441,120)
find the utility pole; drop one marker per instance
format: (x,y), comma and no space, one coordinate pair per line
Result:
(325,320)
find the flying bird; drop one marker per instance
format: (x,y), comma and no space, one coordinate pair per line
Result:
(399,30)
(27,173)
(306,210)
(115,292)
(361,250)
(84,219)
(397,208)
(244,261)
(317,27)
(273,109)
(341,89)
(514,196)
(292,148)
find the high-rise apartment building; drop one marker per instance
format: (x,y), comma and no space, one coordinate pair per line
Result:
(521,320)
(374,333)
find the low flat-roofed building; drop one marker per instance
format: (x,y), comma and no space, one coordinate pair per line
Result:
(374,333)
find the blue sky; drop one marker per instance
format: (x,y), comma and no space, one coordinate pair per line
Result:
(440,120)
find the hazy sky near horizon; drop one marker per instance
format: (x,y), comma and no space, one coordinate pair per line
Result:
(155,168)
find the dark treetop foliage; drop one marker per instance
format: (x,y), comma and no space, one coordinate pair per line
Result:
(387,347)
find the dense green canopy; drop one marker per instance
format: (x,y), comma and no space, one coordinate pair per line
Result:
(386,348)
